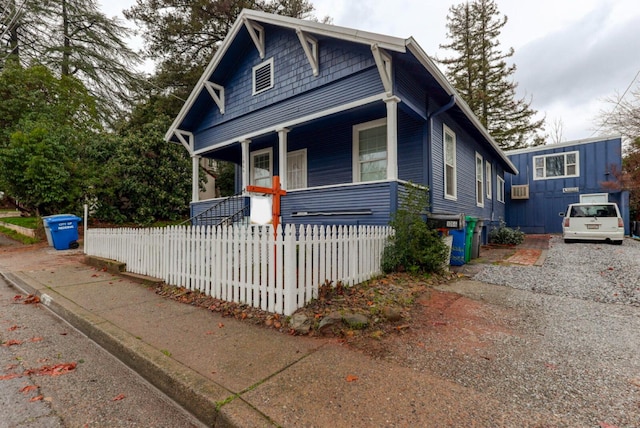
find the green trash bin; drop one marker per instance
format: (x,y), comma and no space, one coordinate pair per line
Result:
(471,226)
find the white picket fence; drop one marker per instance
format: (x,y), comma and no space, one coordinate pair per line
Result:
(277,272)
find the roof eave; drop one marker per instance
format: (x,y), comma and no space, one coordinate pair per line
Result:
(433,69)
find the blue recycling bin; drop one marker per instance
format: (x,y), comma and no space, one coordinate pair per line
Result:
(64,231)
(458,247)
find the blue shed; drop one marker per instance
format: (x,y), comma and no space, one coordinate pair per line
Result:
(555,175)
(346,118)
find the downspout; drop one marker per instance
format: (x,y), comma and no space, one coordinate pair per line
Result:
(429,151)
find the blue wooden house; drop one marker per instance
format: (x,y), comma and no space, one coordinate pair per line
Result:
(555,175)
(346,118)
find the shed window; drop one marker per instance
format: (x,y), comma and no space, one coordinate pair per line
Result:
(557,165)
(261,168)
(263,76)
(479,181)
(450,168)
(370,151)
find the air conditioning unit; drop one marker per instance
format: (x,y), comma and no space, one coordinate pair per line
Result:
(520,191)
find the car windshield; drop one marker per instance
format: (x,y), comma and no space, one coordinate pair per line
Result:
(593,211)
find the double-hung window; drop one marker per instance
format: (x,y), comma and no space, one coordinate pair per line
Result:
(297,169)
(500,190)
(479,181)
(370,151)
(262,168)
(450,168)
(488,179)
(557,165)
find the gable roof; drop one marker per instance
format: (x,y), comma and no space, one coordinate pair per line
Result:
(389,43)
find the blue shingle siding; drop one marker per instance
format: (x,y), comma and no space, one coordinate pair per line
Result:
(349,68)
(539,214)
(355,87)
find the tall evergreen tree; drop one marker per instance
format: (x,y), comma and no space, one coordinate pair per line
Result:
(479,72)
(73,38)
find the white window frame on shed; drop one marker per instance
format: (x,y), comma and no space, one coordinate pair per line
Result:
(264,181)
(360,159)
(297,169)
(488,176)
(449,163)
(260,72)
(479,180)
(500,189)
(570,169)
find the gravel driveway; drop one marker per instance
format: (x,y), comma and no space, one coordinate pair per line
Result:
(571,356)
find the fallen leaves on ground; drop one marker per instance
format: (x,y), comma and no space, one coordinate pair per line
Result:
(351,378)
(55,370)
(12,342)
(35,339)
(36,398)
(31,299)
(118,397)
(28,388)
(10,376)
(13,327)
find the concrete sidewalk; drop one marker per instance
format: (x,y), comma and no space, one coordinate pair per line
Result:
(230,373)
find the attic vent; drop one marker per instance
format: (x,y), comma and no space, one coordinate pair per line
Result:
(263,76)
(520,191)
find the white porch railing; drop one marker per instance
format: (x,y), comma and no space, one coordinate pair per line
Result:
(247,264)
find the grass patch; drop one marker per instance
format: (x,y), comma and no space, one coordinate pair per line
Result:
(18,237)
(28,222)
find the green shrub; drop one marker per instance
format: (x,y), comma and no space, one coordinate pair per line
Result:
(505,235)
(414,247)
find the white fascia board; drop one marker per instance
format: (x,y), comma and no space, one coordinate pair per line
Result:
(294,122)
(387,42)
(222,50)
(563,144)
(433,69)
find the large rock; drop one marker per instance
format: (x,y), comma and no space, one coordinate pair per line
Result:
(330,324)
(300,324)
(355,320)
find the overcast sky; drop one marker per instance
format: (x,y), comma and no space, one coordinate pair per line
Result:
(570,55)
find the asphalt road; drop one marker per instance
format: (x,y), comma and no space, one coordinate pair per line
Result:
(53,376)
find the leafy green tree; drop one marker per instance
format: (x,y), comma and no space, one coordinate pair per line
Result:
(414,247)
(73,38)
(479,72)
(45,125)
(144,178)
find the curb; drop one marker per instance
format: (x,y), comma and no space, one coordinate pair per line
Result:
(187,388)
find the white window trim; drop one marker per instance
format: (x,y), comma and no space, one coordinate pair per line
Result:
(480,180)
(253,76)
(500,190)
(306,171)
(577,174)
(454,194)
(252,177)
(356,145)
(488,179)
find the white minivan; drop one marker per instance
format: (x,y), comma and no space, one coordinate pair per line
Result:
(597,221)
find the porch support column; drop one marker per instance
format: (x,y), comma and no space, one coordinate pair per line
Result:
(282,156)
(245,164)
(392,137)
(195,178)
